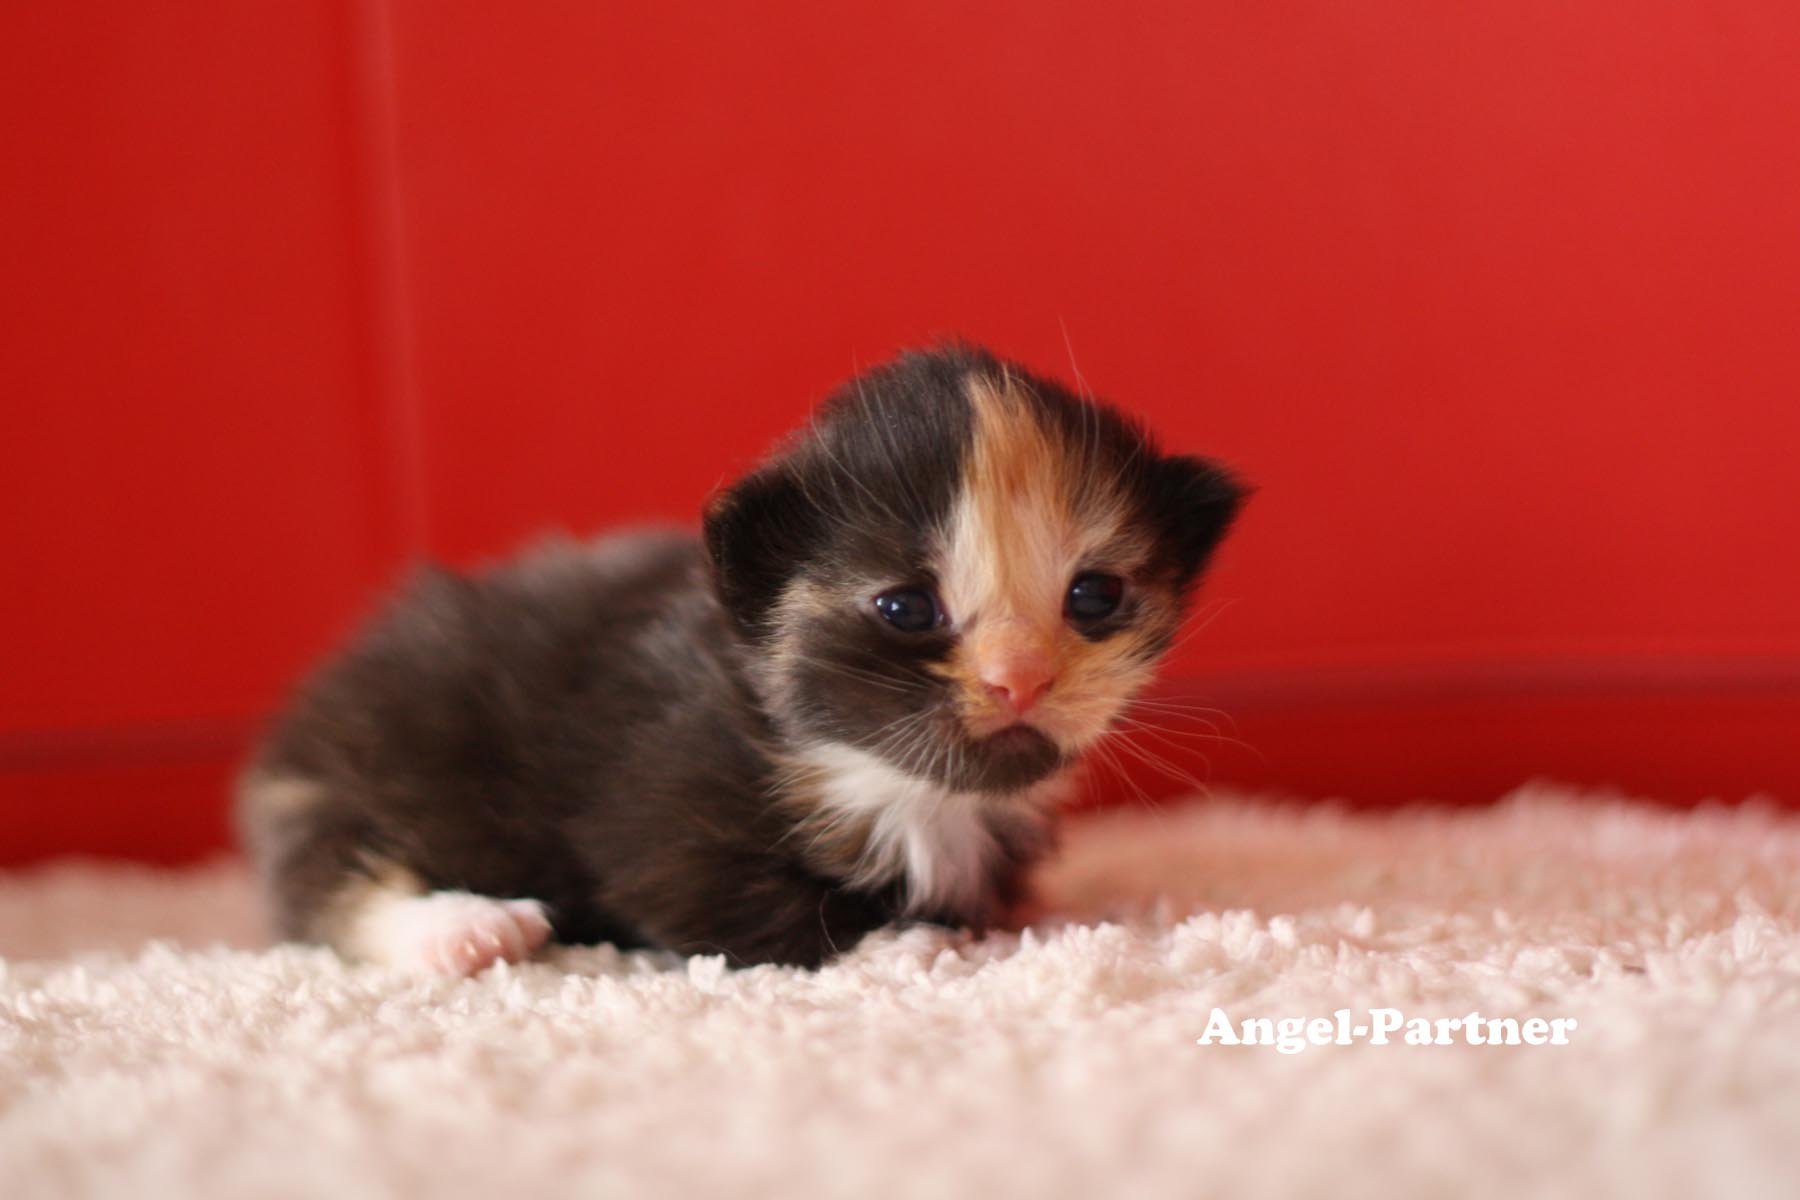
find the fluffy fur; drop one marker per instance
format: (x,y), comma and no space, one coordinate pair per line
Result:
(722,745)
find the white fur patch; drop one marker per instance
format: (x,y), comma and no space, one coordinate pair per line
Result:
(277,797)
(444,933)
(940,841)
(932,836)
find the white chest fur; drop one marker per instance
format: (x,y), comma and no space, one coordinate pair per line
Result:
(940,841)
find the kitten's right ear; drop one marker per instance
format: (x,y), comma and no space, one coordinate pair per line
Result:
(1195,500)
(758,534)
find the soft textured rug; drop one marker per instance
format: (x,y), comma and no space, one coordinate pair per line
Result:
(1063,1061)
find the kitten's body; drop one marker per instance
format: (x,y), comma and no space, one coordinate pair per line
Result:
(722,747)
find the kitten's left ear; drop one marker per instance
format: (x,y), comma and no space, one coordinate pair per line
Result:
(1195,502)
(759,532)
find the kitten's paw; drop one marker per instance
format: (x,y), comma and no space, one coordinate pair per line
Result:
(451,933)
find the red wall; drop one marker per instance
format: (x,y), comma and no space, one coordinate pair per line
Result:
(1496,304)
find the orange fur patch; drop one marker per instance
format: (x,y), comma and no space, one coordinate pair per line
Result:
(1031,515)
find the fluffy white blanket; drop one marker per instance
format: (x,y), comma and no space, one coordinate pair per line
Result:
(1059,1062)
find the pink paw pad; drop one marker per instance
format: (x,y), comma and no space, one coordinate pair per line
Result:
(459,933)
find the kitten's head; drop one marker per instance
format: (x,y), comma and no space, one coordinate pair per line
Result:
(962,569)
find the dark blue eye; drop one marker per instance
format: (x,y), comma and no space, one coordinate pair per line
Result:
(1094,596)
(910,610)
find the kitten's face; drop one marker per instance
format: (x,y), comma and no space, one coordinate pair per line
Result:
(962,570)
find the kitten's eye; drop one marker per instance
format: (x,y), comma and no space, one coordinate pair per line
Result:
(1093,596)
(910,610)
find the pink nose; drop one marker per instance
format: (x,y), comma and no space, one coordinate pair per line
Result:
(1017,684)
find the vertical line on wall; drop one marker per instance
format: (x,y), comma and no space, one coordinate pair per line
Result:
(388,334)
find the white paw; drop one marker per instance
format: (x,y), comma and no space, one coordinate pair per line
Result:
(450,933)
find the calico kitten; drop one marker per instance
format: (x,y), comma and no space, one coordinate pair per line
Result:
(857,699)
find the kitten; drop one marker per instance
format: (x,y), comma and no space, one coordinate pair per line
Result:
(857,699)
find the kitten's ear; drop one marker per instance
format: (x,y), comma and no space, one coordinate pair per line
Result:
(1195,502)
(759,533)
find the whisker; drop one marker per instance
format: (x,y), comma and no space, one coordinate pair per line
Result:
(1161,765)
(905,684)
(1180,724)
(1104,754)
(1169,737)
(1200,622)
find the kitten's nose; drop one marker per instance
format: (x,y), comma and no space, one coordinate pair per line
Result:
(1017,682)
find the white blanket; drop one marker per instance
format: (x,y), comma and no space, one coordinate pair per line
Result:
(1059,1062)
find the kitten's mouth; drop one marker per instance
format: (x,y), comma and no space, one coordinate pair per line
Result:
(1016,756)
(1014,738)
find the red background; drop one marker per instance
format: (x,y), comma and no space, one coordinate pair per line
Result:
(1496,303)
